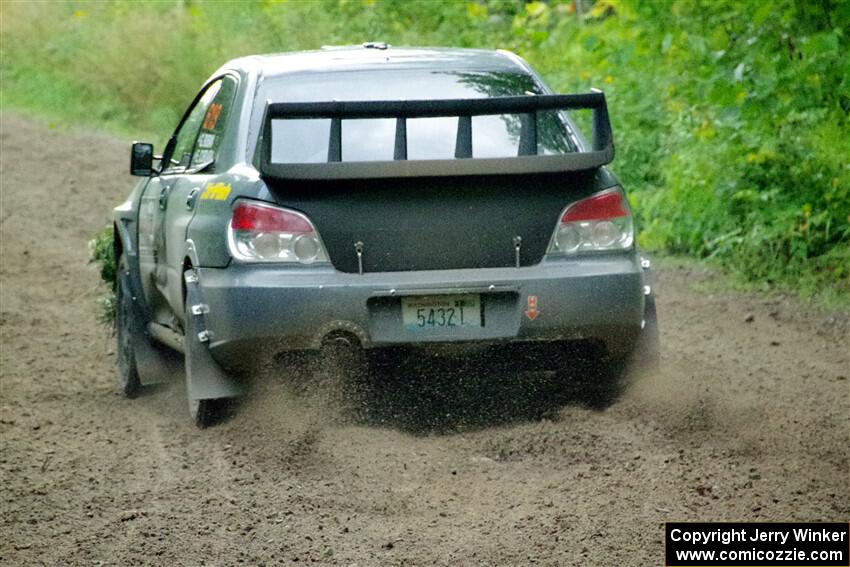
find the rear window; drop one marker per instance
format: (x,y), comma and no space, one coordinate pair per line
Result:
(306,141)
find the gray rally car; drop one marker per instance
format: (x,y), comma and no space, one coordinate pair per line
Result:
(374,197)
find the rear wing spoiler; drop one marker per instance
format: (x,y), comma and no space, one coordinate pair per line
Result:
(527,160)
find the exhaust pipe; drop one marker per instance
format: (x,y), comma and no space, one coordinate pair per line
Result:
(340,340)
(342,353)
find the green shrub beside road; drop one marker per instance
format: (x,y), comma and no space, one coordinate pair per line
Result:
(731,118)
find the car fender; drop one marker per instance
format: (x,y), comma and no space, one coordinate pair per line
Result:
(206,234)
(125,241)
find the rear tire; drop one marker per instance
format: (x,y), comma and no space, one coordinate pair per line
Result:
(125,320)
(206,413)
(604,383)
(647,354)
(616,374)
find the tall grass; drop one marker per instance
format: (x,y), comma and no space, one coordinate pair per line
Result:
(731,118)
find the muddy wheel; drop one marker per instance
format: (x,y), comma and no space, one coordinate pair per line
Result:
(647,355)
(593,377)
(607,379)
(128,373)
(602,382)
(208,412)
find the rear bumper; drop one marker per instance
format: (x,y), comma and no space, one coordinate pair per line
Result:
(256,311)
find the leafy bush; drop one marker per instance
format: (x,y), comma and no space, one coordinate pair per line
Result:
(731,119)
(732,128)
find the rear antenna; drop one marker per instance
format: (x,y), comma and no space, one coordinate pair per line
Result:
(517,247)
(358,248)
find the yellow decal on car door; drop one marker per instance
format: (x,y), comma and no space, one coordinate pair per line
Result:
(216,191)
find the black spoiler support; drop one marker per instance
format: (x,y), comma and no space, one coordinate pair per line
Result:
(527,160)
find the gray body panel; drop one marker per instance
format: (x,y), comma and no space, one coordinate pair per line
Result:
(257,311)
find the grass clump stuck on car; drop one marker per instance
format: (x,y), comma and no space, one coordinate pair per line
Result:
(102,252)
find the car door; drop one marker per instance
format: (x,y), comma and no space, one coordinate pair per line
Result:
(168,202)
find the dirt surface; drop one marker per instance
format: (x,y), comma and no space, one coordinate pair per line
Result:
(746,420)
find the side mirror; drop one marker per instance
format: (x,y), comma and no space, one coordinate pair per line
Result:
(141,159)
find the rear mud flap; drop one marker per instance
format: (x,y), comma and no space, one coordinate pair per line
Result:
(205,379)
(155,363)
(647,355)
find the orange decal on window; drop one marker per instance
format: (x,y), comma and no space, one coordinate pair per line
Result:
(213,112)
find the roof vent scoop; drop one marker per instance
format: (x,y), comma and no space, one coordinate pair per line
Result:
(376,45)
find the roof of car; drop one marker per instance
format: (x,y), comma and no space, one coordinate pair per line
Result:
(372,56)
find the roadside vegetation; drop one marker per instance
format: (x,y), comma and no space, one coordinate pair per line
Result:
(731,119)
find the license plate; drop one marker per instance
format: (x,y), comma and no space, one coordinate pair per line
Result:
(445,312)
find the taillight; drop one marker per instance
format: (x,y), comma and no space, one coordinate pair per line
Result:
(601,222)
(264,233)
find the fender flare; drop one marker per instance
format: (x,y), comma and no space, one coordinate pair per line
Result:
(126,237)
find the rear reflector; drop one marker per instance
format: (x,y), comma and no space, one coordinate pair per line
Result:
(605,205)
(599,223)
(265,218)
(260,232)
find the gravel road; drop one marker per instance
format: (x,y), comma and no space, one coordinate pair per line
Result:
(748,419)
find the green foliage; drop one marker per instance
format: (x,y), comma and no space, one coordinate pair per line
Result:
(730,118)
(102,251)
(732,128)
